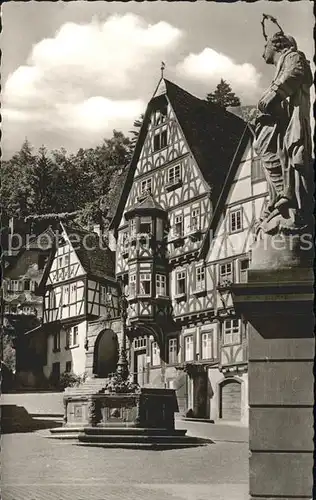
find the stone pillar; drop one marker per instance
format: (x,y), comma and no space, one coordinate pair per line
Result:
(278,304)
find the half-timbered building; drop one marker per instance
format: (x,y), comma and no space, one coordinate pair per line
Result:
(184,153)
(79,287)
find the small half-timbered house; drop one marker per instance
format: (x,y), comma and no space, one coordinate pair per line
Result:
(79,287)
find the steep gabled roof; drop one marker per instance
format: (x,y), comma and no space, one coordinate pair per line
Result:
(246,137)
(212,134)
(94,255)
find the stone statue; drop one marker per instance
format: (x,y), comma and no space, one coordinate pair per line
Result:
(283,137)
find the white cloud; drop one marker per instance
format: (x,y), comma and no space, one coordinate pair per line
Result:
(85,76)
(210,66)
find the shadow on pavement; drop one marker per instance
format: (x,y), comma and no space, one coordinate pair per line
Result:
(16,419)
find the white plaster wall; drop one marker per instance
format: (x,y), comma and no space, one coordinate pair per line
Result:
(76,355)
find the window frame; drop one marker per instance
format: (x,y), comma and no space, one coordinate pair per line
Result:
(231,332)
(132,285)
(185,342)
(162,278)
(232,213)
(226,277)
(178,222)
(200,269)
(174,174)
(197,226)
(144,186)
(243,272)
(184,278)
(175,351)
(160,139)
(210,335)
(155,354)
(148,275)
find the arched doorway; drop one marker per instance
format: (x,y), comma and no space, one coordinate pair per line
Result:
(230,400)
(105,355)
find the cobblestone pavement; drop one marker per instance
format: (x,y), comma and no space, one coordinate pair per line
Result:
(37,468)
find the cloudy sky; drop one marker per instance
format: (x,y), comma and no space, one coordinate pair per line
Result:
(73,71)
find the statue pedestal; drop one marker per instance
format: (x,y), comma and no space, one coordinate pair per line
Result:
(278,305)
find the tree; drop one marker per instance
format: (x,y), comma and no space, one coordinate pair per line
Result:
(223,95)
(135,132)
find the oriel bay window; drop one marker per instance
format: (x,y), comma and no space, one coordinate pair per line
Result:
(155,354)
(207,345)
(231,331)
(188,348)
(180,283)
(145,284)
(145,225)
(161,290)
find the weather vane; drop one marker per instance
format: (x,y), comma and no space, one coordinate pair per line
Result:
(273,20)
(162,68)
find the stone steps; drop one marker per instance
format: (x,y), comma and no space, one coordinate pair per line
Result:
(140,446)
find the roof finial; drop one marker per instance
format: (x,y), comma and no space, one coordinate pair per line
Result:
(162,68)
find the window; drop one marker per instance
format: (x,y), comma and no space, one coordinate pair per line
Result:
(133,227)
(52,299)
(14,285)
(174,174)
(145,225)
(68,366)
(145,284)
(68,338)
(188,348)
(232,331)
(243,270)
(226,273)
(66,295)
(160,139)
(235,221)
(178,225)
(257,172)
(27,310)
(200,278)
(161,285)
(56,341)
(132,285)
(207,345)
(160,116)
(33,285)
(75,335)
(103,295)
(195,219)
(73,292)
(155,354)
(27,284)
(146,186)
(181,283)
(140,343)
(67,260)
(60,262)
(173,351)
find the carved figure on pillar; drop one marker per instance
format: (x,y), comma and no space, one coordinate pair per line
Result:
(283,136)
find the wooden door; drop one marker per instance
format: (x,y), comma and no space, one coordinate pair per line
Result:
(230,408)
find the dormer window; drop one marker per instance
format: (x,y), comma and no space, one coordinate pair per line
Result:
(160,139)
